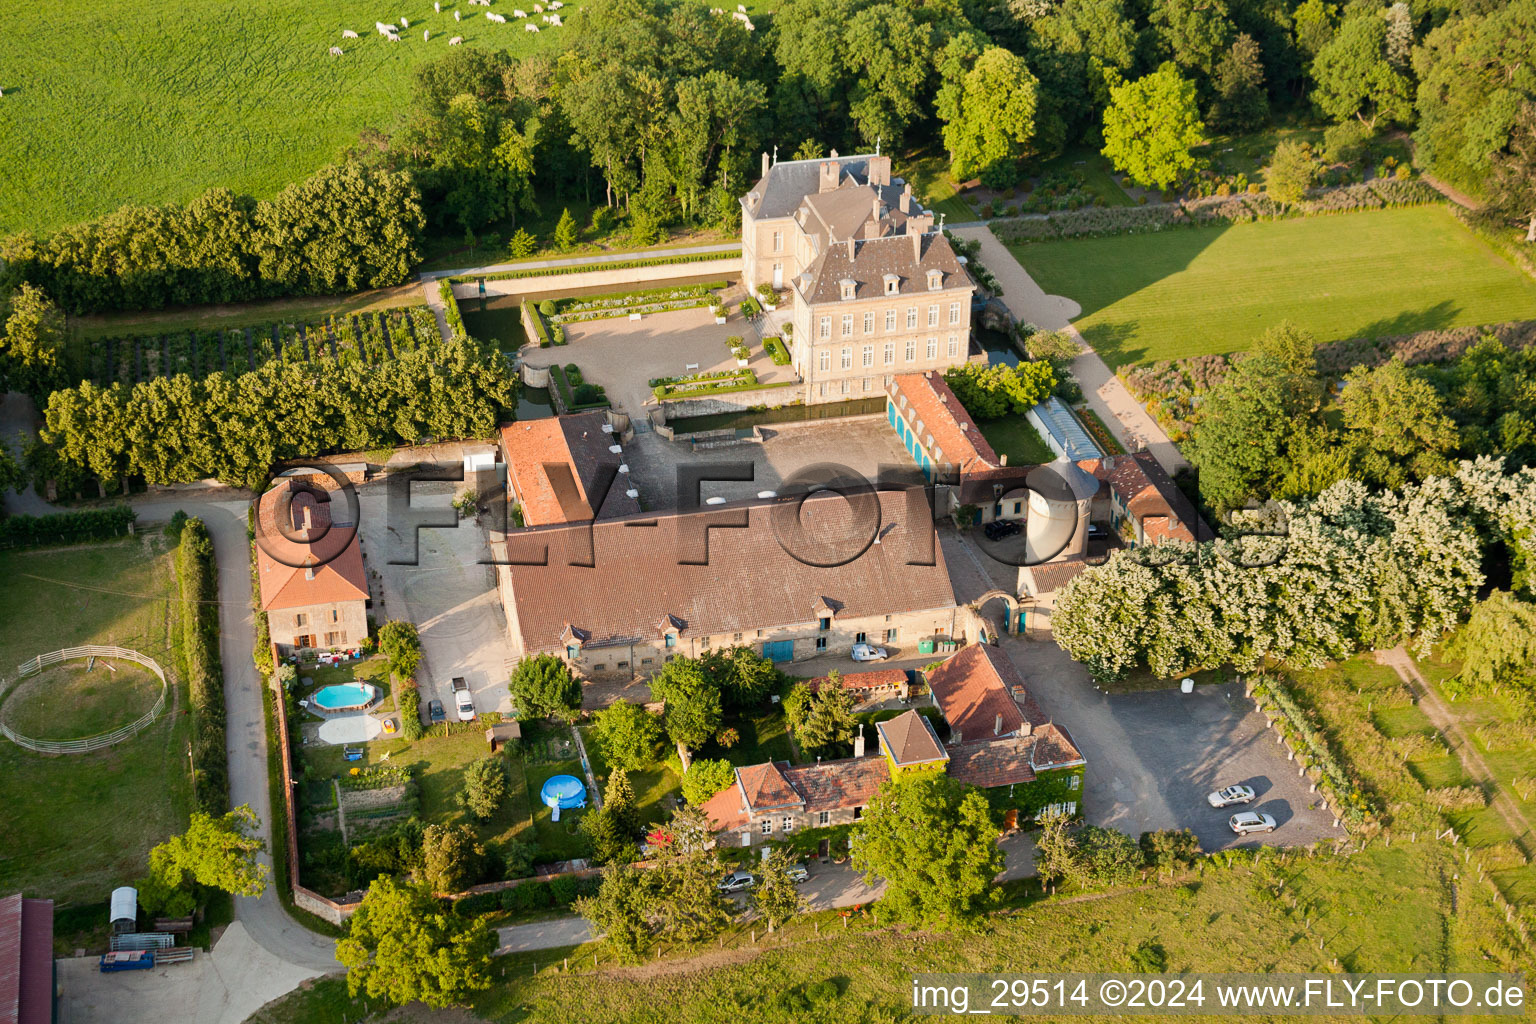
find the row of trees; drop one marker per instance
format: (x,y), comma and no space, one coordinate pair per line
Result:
(176,429)
(345,228)
(1314,581)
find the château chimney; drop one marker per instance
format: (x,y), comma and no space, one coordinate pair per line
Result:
(765,163)
(906,198)
(880,169)
(830,175)
(858,742)
(997,725)
(309,520)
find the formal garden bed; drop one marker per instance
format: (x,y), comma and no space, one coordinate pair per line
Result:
(623,304)
(369,338)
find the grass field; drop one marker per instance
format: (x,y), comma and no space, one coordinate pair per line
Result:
(1388,909)
(1014,437)
(1201,290)
(200,93)
(77,826)
(67,702)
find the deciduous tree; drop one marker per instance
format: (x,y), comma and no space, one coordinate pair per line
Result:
(543,687)
(621,910)
(401,644)
(402,946)
(994,126)
(1151,127)
(704,778)
(776,897)
(485,787)
(933,842)
(1354,77)
(451,857)
(692,702)
(629,734)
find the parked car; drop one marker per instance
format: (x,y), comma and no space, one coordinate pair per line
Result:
(435,712)
(797,873)
(869,652)
(1098,531)
(737,881)
(1232,795)
(1245,822)
(463,700)
(997,529)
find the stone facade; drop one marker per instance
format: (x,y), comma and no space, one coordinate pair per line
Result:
(318,626)
(876,290)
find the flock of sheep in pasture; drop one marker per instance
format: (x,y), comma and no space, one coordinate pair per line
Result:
(391,32)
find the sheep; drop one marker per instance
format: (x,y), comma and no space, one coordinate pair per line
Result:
(519,15)
(538,8)
(554,19)
(392,38)
(497,18)
(555,5)
(741,8)
(530,27)
(404,23)
(456,40)
(347,33)
(455,15)
(335,51)
(437,6)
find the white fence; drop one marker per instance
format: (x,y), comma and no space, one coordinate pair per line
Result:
(89,743)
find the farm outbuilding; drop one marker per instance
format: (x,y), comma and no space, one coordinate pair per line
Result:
(26,961)
(124,915)
(503,733)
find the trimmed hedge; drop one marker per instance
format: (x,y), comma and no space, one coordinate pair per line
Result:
(774,346)
(720,389)
(408,700)
(1235,209)
(654,261)
(66,527)
(198,574)
(451,308)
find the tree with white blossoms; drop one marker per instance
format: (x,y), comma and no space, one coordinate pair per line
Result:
(1354,569)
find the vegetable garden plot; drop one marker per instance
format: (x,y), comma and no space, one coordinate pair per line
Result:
(371,338)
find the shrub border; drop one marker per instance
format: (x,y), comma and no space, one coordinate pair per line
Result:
(581,268)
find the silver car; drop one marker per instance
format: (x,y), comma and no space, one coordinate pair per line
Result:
(737,881)
(1245,822)
(1231,795)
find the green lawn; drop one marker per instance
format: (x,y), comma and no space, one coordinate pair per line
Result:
(68,702)
(653,786)
(934,188)
(153,101)
(763,737)
(1194,291)
(1014,437)
(1098,177)
(77,826)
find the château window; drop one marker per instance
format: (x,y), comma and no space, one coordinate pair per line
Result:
(869,355)
(911,317)
(890,320)
(954,312)
(933,315)
(869,323)
(847,325)
(826,327)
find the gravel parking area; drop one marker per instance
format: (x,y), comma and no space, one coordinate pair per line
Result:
(1154,756)
(624,355)
(450,593)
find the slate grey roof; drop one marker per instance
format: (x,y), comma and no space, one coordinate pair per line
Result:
(873,258)
(790,181)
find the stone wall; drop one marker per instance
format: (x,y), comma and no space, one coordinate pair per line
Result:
(733,401)
(726,266)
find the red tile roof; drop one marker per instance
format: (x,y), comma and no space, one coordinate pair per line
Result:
(910,739)
(839,785)
(558,466)
(26,961)
(1054,746)
(764,787)
(973,689)
(955,437)
(885,677)
(1052,576)
(1150,495)
(309,558)
(724,810)
(993,763)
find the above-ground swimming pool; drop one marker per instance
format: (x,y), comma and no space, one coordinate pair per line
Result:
(343,697)
(563,792)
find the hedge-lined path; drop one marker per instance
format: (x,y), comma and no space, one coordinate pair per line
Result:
(1102,390)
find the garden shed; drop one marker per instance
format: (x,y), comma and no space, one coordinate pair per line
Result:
(502,733)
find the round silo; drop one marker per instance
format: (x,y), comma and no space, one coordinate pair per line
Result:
(1060,497)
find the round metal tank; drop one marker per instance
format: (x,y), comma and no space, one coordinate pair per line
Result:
(1060,499)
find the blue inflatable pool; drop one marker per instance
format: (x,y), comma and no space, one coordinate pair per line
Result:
(563,792)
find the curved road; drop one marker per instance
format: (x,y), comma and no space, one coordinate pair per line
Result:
(264,917)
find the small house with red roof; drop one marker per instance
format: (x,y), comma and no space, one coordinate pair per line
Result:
(309,570)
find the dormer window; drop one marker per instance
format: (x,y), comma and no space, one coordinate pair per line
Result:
(935,280)
(892,284)
(846,288)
